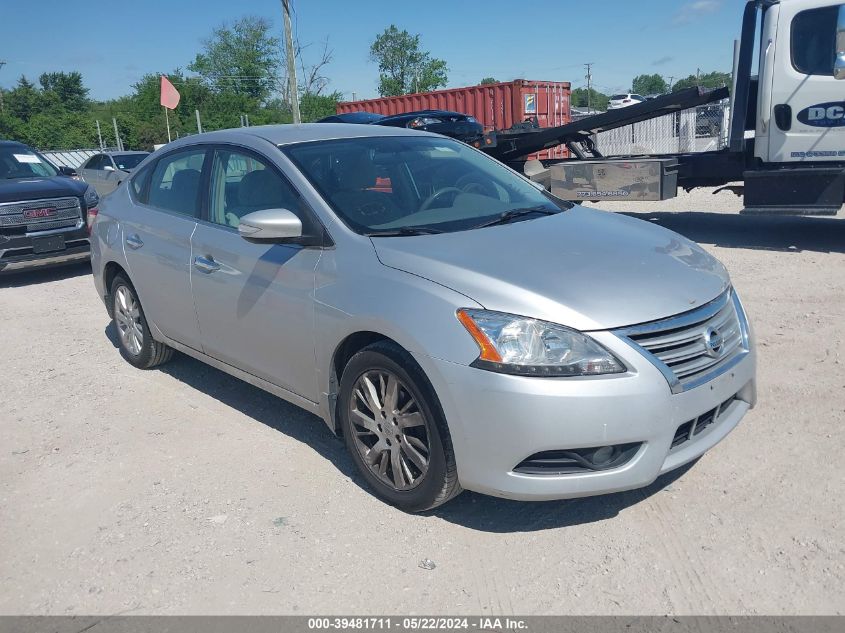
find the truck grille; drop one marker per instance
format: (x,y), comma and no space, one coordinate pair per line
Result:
(40,215)
(692,348)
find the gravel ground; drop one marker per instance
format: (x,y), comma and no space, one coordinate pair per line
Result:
(183,490)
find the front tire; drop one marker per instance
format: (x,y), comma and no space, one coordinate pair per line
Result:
(395,430)
(136,344)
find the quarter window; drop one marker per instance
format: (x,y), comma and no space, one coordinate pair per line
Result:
(242,183)
(813,40)
(175,182)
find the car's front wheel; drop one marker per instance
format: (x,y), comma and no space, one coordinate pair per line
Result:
(395,430)
(137,346)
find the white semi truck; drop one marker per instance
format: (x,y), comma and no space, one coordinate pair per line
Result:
(786,141)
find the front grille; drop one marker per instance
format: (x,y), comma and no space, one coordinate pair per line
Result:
(58,213)
(690,429)
(693,347)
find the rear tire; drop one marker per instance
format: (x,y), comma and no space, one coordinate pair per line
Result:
(136,344)
(395,429)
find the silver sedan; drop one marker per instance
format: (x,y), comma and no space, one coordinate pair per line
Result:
(458,326)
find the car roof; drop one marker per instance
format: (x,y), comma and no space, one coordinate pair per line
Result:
(6,143)
(289,134)
(129,151)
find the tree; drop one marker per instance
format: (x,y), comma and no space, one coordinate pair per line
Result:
(714,79)
(597,101)
(488,80)
(311,81)
(649,85)
(65,90)
(403,67)
(23,101)
(242,58)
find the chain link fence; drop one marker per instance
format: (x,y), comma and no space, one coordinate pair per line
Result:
(700,129)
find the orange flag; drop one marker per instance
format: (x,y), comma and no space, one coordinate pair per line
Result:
(169,94)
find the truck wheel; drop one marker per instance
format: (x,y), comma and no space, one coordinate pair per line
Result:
(395,430)
(136,344)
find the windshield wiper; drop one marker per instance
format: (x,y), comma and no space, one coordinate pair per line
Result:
(508,216)
(405,230)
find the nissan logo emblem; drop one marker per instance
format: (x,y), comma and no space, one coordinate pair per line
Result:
(713,340)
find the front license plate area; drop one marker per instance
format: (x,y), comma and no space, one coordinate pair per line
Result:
(48,244)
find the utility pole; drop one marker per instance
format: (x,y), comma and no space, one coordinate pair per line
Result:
(2,105)
(199,123)
(294,95)
(99,135)
(589,67)
(117,135)
(671,77)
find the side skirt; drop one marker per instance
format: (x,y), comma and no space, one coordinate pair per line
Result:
(284,394)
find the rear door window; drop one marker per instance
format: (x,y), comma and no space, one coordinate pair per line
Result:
(175,182)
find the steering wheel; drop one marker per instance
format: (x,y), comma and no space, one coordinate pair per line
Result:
(474,184)
(440,192)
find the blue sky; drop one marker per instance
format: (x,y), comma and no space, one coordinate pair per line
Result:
(113,43)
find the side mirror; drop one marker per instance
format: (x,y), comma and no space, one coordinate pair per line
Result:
(108,168)
(270,225)
(64,170)
(839,63)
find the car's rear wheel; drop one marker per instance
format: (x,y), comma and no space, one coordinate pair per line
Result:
(395,430)
(135,342)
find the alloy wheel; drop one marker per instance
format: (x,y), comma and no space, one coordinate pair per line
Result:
(391,433)
(127,317)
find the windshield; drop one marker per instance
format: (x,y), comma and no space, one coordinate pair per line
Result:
(20,162)
(128,161)
(390,184)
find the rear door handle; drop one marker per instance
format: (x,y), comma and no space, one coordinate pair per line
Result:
(134,242)
(206,264)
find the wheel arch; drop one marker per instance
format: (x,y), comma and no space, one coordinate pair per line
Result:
(111,270)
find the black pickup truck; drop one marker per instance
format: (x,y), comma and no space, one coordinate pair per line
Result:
(44,212)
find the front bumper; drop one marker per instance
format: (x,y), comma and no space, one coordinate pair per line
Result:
(16,251)
(497,421)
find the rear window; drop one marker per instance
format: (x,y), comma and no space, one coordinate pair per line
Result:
(814,40)
(618,97)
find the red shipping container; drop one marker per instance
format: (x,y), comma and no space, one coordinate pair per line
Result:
(496,106)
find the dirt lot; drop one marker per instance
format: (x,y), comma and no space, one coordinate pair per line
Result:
(183,490)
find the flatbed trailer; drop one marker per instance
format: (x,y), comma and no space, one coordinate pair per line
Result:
(786,141)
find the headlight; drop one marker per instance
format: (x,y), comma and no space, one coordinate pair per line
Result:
(422,121)
(91,197)
(518,345)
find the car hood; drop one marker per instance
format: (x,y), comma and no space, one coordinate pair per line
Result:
(582,268)
(16,190)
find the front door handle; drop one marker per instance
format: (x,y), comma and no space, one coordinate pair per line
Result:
(134,242)
(206,264)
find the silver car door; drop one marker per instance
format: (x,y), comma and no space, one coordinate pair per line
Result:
(254,301)
(157,244)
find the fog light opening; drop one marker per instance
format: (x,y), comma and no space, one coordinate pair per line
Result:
(603,456)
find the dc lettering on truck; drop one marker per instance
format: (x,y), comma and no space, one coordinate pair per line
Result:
(831,114)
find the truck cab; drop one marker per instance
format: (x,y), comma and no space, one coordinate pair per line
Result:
(801,104)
